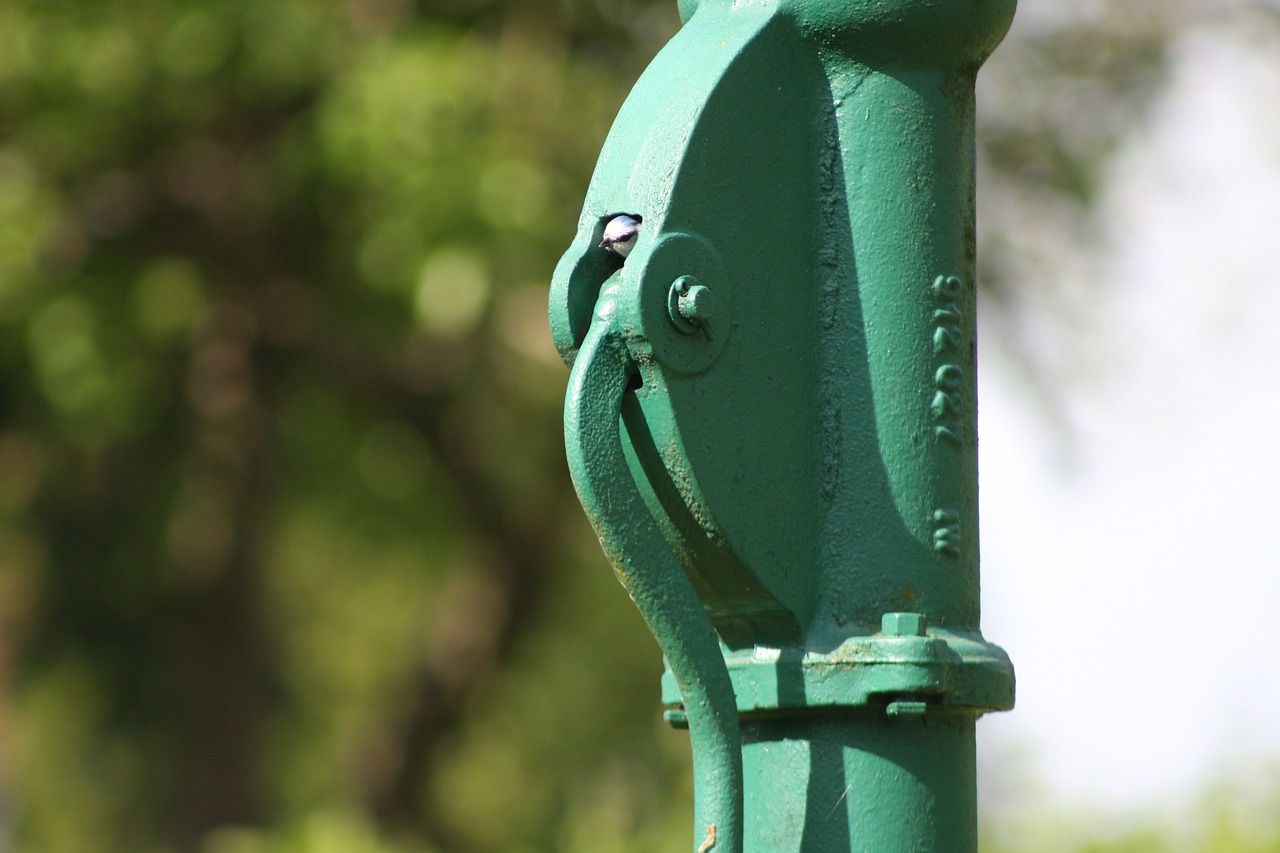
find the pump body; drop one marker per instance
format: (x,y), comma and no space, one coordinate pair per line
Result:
(771,415)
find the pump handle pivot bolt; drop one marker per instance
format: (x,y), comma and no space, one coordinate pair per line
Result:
(691,305)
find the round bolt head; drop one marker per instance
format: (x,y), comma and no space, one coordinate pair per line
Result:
(688,304)
(698,304)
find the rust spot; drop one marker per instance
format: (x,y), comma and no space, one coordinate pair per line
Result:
(908,598)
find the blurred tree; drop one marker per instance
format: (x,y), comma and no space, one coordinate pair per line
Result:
(288,556)
(1066,92)
(284,489)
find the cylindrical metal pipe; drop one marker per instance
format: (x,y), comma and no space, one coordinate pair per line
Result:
(902,97)
(860,783)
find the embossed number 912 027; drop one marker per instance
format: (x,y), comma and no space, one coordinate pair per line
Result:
(947,406)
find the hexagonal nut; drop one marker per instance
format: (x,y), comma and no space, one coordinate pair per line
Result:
(902,624)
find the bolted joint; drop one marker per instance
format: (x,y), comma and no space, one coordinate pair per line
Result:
(906,708)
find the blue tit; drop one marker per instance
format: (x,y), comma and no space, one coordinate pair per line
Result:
(620,233)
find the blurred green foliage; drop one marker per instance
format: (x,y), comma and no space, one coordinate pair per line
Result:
(1235,814)
(288,555)
(289,561)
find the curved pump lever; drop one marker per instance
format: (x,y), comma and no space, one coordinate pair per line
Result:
(602,373)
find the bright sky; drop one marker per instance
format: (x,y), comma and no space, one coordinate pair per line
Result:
(1136,585)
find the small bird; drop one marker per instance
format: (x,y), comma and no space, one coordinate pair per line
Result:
(620,233)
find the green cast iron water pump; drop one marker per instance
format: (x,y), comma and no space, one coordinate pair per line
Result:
(771,413)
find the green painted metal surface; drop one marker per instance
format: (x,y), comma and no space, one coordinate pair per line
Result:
(771,412)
